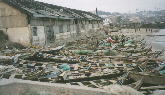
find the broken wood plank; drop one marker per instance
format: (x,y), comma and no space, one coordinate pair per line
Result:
(153,88)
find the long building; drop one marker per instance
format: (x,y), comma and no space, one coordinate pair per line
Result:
(37,23)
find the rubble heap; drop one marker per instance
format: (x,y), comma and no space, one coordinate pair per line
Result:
(92,61)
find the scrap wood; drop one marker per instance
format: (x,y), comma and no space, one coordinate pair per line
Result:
(137,85)
(152,88)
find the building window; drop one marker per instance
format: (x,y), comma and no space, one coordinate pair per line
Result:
(68,28)
(34,29)
(76,21)
(61,29)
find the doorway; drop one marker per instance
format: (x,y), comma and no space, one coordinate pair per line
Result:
(50,36)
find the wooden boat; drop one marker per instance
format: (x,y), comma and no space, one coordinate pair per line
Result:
(90,78)
(148,78)
(137,85)
(137,50)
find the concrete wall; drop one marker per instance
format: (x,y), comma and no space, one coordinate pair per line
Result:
(14,24)
(56,24)
(11,17)
(19,35)
(40,39)
(19,87)
(70,28)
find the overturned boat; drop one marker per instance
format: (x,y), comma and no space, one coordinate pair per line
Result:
(148,78)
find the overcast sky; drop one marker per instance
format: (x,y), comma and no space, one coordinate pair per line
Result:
(110,5)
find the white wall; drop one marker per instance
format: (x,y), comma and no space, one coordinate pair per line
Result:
(40,39)
(19,35)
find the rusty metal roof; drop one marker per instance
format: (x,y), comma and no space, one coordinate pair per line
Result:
(40,9)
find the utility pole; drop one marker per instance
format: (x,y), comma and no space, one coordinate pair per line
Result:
(97,12)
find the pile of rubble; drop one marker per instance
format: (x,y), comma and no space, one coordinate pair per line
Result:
(92,61)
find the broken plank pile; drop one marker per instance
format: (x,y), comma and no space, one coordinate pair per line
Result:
(91,61)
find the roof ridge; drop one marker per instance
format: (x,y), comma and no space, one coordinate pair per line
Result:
(33,8)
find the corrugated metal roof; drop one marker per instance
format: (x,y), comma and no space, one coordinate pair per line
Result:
(40,9)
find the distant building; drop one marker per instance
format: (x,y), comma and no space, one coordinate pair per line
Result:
(135,20)
(111,20)
(32,22)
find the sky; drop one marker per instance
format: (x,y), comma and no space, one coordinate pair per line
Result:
(123,6)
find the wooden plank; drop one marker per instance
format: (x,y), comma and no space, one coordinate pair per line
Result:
(79,83)
(113,81)
(152,87)
(94,84)
(68,84)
